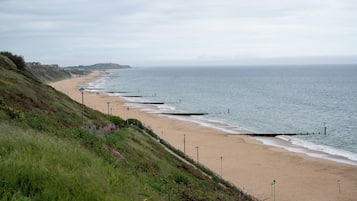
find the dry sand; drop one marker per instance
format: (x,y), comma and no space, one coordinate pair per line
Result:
(246,163)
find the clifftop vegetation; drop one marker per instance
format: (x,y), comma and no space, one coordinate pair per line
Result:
(13,61)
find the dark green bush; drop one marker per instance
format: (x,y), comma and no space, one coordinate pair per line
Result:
(135,122)
(18,60)
(118,121)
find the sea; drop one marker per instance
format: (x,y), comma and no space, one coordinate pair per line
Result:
(284,99)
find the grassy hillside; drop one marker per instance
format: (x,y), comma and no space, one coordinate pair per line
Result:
(40,166)
(36,105)
(47,73)
(45,155)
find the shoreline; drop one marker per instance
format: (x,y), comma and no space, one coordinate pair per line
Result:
(247,163)
(288,142)
(282,141)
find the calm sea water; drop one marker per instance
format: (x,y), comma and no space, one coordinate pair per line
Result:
(262,99)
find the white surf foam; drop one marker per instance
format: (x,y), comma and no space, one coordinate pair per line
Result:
(313,150)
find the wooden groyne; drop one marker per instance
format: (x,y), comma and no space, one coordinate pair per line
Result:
(184,113)
(117,92)
(276,134)
(133,96)
(150,103)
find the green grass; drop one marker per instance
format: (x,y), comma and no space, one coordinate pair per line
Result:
(39,105)
(76,165)
(41,167)
(38,166)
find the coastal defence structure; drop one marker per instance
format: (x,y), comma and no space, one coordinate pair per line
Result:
(276,134)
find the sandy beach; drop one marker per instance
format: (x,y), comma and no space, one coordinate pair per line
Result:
(245,162)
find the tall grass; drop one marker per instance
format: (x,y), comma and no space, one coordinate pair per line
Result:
(37,166)
(73,164)
(41,166)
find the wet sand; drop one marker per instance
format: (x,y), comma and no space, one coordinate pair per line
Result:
(247,163)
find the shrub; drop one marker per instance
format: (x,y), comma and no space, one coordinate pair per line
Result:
(135,122)
(18,60)
(118,121)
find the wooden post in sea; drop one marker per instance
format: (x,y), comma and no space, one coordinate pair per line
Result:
(325,128)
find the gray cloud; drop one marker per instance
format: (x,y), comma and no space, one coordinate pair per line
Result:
(73,32)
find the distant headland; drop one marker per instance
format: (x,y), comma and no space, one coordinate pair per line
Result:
(98,66)
(53,72)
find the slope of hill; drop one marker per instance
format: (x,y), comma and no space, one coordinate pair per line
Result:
(46,155)
(47,73)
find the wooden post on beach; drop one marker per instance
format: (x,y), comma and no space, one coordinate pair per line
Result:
(108,103)
(221,165)
(339,186)
(82,90)
(273,188)
(184,144)
(197,147)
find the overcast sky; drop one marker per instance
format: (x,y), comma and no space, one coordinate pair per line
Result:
(179,32)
